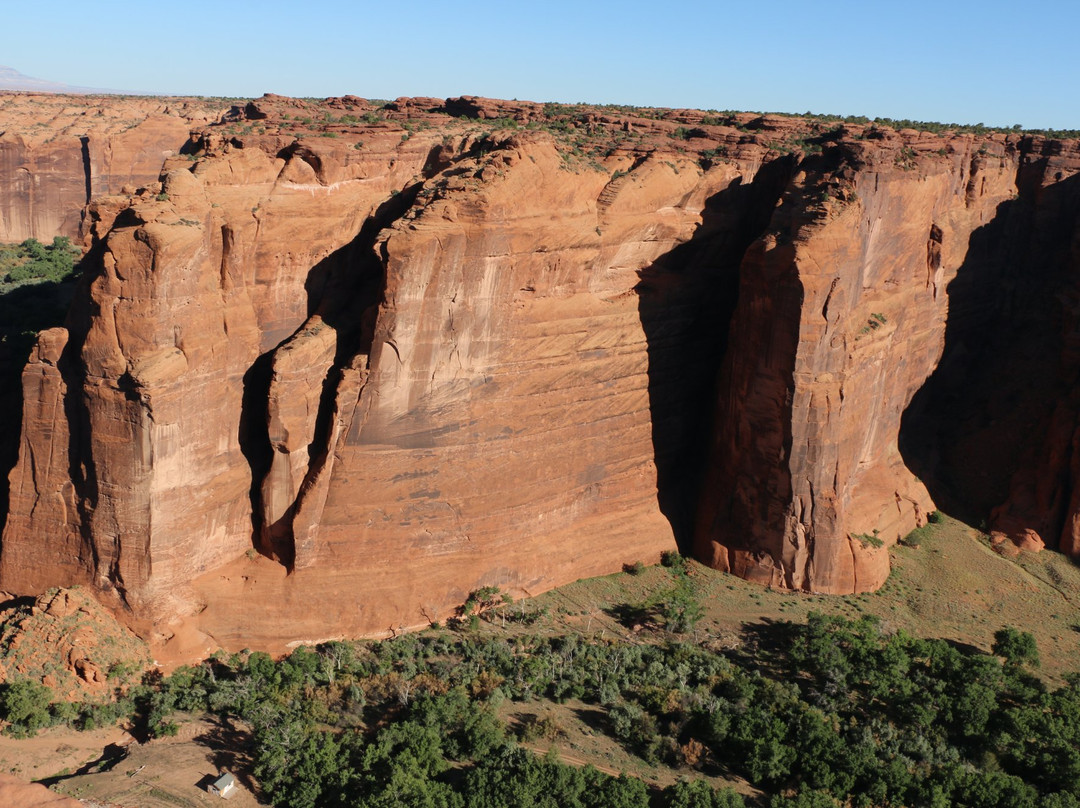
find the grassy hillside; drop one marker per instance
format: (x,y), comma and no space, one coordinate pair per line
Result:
(951,586)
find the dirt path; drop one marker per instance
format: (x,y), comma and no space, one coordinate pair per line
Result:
(570,760)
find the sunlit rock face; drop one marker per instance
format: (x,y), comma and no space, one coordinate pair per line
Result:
(326,386)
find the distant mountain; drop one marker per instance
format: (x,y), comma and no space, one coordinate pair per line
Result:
(12,79)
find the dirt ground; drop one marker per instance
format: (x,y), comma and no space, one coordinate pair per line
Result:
(56,751)
(108,767)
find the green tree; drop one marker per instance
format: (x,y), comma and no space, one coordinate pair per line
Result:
(1018,648)
(699,794)
(805,799)
(25,705)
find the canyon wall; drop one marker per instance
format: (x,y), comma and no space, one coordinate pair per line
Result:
(56,154)
(346,364)
(59,152)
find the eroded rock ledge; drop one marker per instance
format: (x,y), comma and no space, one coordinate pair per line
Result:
(326,384)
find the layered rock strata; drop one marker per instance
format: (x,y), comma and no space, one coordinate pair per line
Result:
(327,383)
(58,152)
(411,369)
(842,319)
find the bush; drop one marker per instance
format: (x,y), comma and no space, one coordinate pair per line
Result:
(680,609)
(699,794)
(1018,648)
(673,560)
(25,705)
(917,536)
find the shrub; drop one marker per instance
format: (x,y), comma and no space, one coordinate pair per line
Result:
(25,705)
(680,608)
(673,560)
(1018,648)
(869,540)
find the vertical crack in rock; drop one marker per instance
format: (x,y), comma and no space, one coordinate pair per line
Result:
(933,258)
(686,300)
(299,397)
(88,176)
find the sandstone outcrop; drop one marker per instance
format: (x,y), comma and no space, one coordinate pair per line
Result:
(995,425)
(67,641)
(417,367)
(839,324)
(58,152)
(347,363)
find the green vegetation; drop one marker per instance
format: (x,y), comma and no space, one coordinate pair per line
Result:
(35,290)
(25,705)
(727,118)
(833,711)
(635,673)
(710,156)
(869,539)
(875,321)
(906,158)
(33,261)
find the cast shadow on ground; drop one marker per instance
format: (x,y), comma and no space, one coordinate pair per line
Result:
(230,746)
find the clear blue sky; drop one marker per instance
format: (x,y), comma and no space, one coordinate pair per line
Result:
(968,61)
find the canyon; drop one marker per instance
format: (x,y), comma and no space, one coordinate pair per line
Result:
(333,365)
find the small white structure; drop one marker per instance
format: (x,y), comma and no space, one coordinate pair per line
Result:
(223,786)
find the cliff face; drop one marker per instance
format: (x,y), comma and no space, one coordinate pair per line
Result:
(58,152)
(320,386)
(883,254)
(995,425)
(839,323)
(408,369)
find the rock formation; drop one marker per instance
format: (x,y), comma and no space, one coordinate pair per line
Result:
(840,321)
(68,642)
(346,364)
(58,152)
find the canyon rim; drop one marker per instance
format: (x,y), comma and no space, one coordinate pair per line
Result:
(334,365)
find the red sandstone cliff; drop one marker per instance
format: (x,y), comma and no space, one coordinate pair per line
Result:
(417,367)
(842,320)
(327,382)
(58,152)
